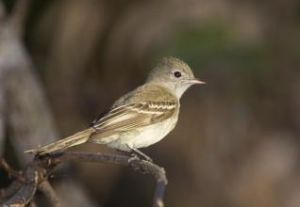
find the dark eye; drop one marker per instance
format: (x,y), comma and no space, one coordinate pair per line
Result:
(177,74)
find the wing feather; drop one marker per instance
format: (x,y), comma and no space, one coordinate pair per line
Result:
(129,113)
(131,116)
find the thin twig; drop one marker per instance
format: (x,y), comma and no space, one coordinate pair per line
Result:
(10,171)
(50,193)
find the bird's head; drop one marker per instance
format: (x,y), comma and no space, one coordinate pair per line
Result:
(173,74)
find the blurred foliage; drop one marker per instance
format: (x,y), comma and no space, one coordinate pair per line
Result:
(215,43)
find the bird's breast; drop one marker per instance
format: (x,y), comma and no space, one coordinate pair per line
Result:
(149,135)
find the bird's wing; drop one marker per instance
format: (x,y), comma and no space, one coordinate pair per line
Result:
(131,116)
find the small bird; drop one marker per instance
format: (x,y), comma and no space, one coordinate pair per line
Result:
(141,117)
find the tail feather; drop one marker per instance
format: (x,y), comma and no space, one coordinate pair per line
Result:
(73,140)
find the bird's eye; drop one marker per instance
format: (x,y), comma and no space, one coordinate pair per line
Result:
(177,74)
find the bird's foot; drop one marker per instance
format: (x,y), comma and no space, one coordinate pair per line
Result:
(140,155)
(133,158)
(135,153)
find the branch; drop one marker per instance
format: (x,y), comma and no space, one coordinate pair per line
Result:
(139,165)
(10,190)
(43,165)
(27,191)
(142,166)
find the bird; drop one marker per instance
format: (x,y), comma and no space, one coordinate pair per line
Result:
(139,118)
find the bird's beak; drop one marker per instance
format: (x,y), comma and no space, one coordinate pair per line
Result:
(196,81)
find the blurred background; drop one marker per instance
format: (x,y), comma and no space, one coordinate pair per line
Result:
(237,140)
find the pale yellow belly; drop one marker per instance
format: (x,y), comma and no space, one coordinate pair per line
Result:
(143,137)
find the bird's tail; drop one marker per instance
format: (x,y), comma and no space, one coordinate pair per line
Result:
(73,140)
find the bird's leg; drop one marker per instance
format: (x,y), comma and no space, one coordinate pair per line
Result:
(136,152)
